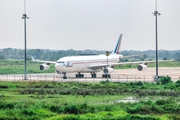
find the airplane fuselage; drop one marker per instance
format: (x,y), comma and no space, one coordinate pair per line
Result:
(82,63)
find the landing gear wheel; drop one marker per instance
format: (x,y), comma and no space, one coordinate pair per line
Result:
(82,75)
(64,77)
(93,75)
(79,75)
(106,76)
(109,76)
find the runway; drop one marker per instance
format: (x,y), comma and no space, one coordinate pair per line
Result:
(120,75)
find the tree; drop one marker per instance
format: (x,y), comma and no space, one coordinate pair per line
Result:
(145,56)
(2,57)
(165,58)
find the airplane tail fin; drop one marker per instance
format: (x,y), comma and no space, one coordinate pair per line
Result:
(118,45)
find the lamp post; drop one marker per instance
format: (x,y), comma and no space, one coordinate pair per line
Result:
(156,13)
(107,54)
(25,58)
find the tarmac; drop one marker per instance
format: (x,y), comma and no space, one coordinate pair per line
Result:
(118,75)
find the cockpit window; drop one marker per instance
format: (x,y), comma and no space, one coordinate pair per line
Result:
(60,61)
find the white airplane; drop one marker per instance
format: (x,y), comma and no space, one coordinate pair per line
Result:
(92,64)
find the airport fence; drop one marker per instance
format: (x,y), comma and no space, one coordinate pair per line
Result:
(87,78)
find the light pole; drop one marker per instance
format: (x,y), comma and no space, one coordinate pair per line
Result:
(156,13)
(25,17)
(107,54)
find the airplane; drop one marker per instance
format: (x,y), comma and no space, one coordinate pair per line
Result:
(92,64)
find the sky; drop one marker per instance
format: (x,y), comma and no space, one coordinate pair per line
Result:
(90,24)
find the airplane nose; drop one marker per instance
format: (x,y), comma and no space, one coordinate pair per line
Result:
(57,65)
(58,68)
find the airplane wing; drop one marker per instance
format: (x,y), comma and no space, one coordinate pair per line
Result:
(98,66)
(139,62)
(133,55)
(49,62)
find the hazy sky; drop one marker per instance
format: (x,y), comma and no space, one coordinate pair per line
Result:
(90,24)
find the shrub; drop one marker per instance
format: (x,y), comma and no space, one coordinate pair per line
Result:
(133,84)
(3,86)
(136,117)
(57,109)
(28,112)
(4,105)
(9,105)
(71,117)
(135,109)
(139,83)
(104,82)
(165,80)
(157,109)
(72,109)
(2,98)
(174,117)
(161,102)
(177,83)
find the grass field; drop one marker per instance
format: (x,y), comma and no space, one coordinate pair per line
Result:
(17,66)
(92,101)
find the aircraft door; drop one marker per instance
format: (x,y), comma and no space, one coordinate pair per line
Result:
(68,64)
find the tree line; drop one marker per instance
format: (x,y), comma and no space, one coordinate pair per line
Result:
(47,54)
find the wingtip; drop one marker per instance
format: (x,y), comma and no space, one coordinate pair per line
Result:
(32,58)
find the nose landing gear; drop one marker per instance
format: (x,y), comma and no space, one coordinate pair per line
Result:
(64,75)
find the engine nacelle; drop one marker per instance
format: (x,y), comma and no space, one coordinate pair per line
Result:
(44,67)
(108,70)
(141,67)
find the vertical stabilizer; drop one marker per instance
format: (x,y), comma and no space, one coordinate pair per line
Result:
(118,45)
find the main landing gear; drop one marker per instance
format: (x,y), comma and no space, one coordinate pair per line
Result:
(106,73)
(93,75)
(79,75)
(106,76)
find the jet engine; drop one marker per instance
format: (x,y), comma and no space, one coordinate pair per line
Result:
(44,66)
(142,67)
(108,70)
(120,57)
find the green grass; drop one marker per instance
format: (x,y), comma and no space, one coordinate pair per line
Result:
(94,101)
(117,115)
(17,67)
